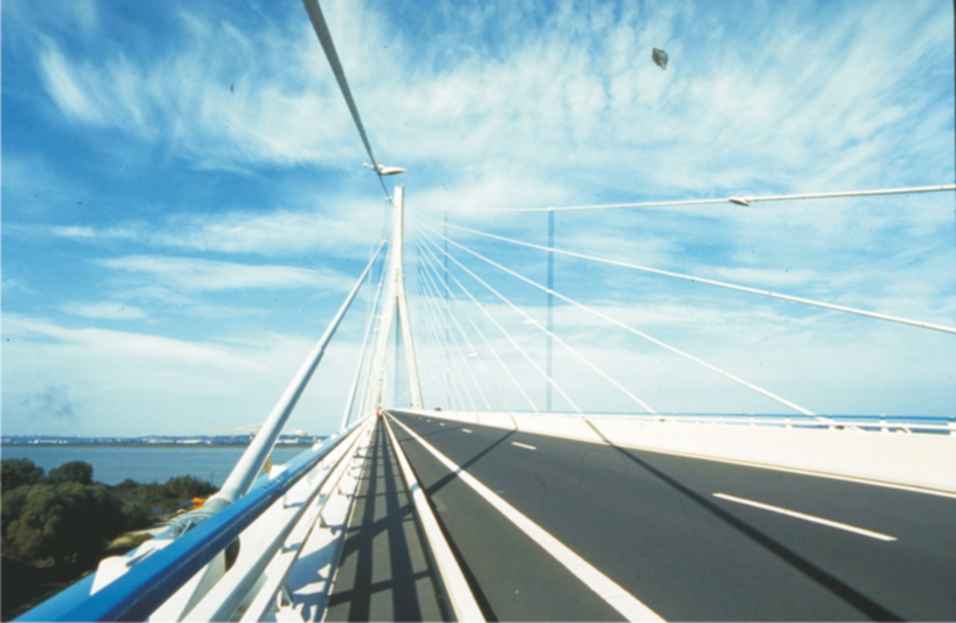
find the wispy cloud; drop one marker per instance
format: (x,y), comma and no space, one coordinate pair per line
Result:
(69,89)
(104,311)
(278,232)
(126,343)
(546,94)
(194,274)
(131,382)
(506,105)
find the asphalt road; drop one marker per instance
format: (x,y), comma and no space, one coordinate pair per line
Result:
(652,524)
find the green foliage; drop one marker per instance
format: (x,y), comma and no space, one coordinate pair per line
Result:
(188,487)
(68,520)
(18,472)
(138,515)
(74,471)
(11,506)
(69,523)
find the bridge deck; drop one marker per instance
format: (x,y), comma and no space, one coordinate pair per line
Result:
(652,524)
(385,573)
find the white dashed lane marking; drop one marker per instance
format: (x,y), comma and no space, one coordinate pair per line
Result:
(811,518)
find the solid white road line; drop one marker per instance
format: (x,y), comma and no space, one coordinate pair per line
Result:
(610,591)
(466,430)
(811,518)
(456,586)
(523,445)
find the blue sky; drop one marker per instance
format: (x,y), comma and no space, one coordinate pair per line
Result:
(184,206)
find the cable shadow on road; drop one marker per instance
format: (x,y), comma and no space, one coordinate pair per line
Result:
(383,528)
(826,580)
(405,439)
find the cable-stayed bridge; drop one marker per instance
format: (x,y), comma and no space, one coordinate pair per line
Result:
(477,511)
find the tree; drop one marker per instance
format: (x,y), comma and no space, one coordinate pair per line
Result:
(74,471)
(68,522)
(188,487)
(11,506)
(18,472)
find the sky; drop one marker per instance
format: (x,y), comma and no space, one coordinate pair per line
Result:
(184,206)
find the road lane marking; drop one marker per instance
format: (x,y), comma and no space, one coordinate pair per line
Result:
(811,518)
(456,586)
(778,468)
(466,430)
(630,607)
(523,445)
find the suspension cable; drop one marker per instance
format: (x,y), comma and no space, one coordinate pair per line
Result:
(328,46)
(363,352)
(537,368)
(597,369)
(466,399)
(514,344)
(741,200)
(487,341)
(462,337)
(714,282)
(451,365)
(638,332)
(369,369)
(443,354)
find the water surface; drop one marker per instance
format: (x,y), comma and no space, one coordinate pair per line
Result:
(113,464)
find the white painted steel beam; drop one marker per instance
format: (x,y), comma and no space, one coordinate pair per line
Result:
(255,455)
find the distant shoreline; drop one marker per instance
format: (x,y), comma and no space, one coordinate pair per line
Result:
(186,446)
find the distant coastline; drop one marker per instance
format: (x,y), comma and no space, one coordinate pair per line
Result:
(152,441)
(185,446)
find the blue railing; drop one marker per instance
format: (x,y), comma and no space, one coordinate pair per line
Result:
(150,582)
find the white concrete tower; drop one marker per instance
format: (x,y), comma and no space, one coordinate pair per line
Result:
(395,303)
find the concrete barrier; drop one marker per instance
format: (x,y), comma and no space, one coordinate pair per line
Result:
(918,460)
(921,460)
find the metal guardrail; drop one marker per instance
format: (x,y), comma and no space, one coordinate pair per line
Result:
(151,581)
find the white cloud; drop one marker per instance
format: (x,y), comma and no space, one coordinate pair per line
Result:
(194,274)
(509,106)
(104,310)
(122,382)
(541,100)
(277,232)
(125,343)
(69,90)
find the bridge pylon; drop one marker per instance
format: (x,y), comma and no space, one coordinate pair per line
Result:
(395,309)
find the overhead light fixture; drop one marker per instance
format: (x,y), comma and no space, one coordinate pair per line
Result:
(384,170)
